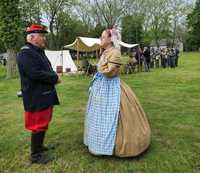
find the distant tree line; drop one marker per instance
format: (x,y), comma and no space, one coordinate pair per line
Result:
(139,21)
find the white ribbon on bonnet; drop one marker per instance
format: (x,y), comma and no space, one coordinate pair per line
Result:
(115,38)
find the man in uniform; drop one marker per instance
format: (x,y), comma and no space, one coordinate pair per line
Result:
(38,82)
(173,58)
(146,54)
(177,56)
(133,53)
(87,67)
(152,57)
(131,64)
(163,54)
(138,54)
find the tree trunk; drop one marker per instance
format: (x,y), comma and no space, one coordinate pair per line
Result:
(11,62)
(136,35)
(38,13)
(51,35)
(57,38)
(57,42)
(157,42)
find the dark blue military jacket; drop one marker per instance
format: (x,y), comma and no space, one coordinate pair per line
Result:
(147,55)
(137,57)
(37,79)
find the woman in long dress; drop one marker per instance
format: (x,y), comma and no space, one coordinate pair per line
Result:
(115,122)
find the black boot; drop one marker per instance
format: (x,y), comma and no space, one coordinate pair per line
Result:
(36,149)
(46,148)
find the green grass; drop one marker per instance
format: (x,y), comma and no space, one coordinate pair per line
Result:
(170,98)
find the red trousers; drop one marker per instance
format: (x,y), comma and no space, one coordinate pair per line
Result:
(38,120)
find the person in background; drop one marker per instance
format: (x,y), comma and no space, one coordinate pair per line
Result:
(177,56)
(3,60)
(133,53)
(87,66)
(168,57)
(146,54)
(163,54)
(172,57)
(115,122)
(38,82)
(152,57)
(131,64)
(139,60)
(157,54)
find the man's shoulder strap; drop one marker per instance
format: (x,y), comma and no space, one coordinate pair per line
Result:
(25,47)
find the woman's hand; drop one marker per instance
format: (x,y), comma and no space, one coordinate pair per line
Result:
(103,56)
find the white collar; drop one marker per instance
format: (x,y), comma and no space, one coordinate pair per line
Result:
(109,49)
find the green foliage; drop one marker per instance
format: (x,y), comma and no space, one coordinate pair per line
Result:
(70,30)
(2,47)
(131,29)
(31,12)
(194,24)
(10,18)
(158,19)
(170,99)
(97,31)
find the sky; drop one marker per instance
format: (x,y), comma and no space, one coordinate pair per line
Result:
(193,1)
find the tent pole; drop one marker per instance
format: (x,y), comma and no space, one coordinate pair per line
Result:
(139,57)
(77,55)
(62,58)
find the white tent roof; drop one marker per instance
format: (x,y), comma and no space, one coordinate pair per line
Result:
(90,44)
(55,57)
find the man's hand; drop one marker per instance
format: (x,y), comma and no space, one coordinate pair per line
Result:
(59,80)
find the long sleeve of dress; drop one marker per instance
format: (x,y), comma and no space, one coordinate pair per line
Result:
(111,67)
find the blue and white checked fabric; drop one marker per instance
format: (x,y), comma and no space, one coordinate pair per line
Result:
(102,114)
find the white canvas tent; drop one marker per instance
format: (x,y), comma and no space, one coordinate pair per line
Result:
(55,57)
(85,44)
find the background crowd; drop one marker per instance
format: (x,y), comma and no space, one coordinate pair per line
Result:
(150,58)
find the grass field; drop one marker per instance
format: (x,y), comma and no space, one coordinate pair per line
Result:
(170,98)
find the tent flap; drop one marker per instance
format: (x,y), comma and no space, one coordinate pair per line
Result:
(90,44)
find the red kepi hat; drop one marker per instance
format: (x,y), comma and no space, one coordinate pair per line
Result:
(36,29)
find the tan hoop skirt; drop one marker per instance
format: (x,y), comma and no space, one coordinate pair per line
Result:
(133,132)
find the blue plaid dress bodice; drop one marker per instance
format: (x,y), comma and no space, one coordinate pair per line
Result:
(102,113)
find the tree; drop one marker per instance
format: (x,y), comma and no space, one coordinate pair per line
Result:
(2,47)
(194,24)
(177,10)
(10,33)
(52,8)
(97,30)
(131,31)
(182,31)
(31,11)
(108,11)
(133,20)
(68,30)
(157,19)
